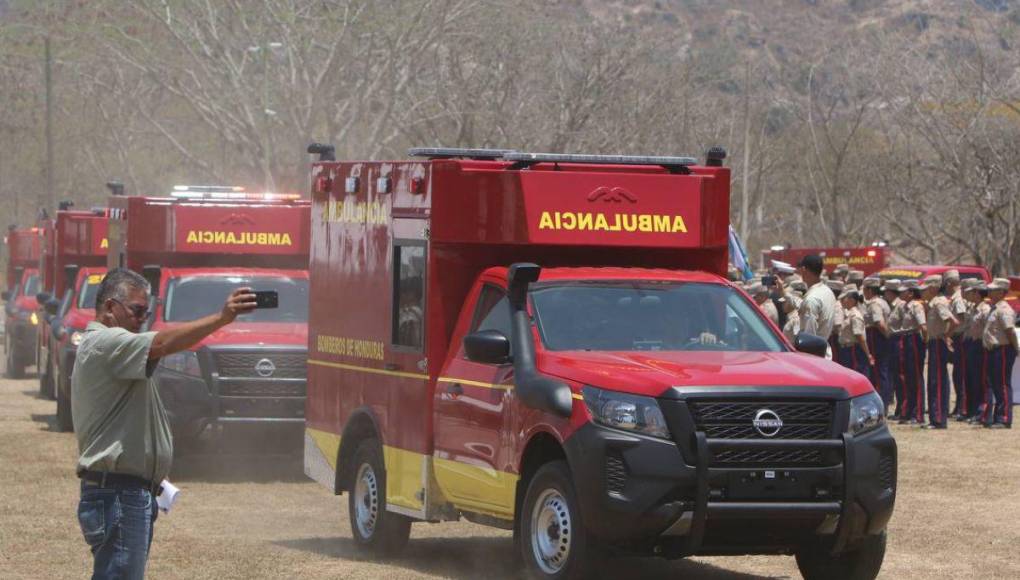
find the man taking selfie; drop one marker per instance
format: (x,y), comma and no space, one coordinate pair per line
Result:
(124,440)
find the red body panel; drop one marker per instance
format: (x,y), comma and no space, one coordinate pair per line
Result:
(867,259)
(24,248)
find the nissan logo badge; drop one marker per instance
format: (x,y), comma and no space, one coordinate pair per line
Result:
(767,422)
(265,368)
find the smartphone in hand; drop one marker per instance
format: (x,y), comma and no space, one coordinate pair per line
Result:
(267,299)
(768,280)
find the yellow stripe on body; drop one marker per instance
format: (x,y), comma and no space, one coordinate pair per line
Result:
(474,383)
(477,489)
(328,444)
(348,367)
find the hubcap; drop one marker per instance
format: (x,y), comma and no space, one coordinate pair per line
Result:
(551,531)
(366,501)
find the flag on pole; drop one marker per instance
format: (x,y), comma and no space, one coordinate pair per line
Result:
(739,256)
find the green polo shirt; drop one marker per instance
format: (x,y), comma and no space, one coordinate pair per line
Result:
(119,420)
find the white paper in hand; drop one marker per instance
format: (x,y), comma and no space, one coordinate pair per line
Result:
(167,496)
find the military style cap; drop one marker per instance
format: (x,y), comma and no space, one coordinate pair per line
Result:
(756,288)
(909,285)
(933,281)
(841,268)
(836,285)
(951,276)
(872,283)
(798,286)
(850,291)
(970,284)
(999,284)
(855,275)
(892,285)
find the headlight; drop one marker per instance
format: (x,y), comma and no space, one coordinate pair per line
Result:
(76,337)
(34,319)
(627,412)
(183,362)
(867,412)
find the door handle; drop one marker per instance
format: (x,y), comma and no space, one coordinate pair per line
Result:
(455,389)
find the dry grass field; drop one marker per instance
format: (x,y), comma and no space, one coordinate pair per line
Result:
(242,515)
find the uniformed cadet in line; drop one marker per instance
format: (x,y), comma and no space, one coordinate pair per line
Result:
(761,297)
(958,306)
(817,311)
(975,292)
(1000,343)
(891,293)
(855,277)
(840,272)
(912,327)
(791,305)
(837,321)
(940,326)
(876,316)
(853,341)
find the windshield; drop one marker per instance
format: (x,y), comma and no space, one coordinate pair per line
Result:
(31,285)
(635,316)
(198,296)
(89,288)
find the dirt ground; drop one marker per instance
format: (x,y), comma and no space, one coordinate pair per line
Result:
(244,515)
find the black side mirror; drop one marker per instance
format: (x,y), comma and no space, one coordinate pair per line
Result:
(6,295)
(42,298)
(487,346)
(52,306)
(811,344)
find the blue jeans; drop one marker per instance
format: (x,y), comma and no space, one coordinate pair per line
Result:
(117,525)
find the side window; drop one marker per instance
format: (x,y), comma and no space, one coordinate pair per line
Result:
(492,311)
(409,295)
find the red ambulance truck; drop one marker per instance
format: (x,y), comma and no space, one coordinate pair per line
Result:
(547,344)
(24,247)
(196,247)
(72,266)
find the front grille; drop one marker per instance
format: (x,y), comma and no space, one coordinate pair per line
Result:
(231,388)
(768,457)
(733,419)
(616,473)
(243,365)
(887,472)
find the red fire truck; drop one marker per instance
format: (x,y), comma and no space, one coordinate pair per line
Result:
(197,246)
(546,343)
(869,259)
(24,246)
(72,266)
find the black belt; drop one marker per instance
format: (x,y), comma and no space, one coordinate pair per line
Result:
(104,479)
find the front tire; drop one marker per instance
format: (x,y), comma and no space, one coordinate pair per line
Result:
(46,384)
(860,564)
(377,532)
(553,542)
(15,368)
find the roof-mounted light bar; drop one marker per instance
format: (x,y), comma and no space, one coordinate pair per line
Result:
(233,194)
(457,153)
(671,164)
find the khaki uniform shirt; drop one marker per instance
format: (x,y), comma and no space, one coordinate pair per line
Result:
(978,320)
(1001,321)
(913,316)
(119,419)
(852,327)
(792,327)
(896,312)
(769,308)
(838,318)
(876,310)
(939,317)
(818,311)
(959,307)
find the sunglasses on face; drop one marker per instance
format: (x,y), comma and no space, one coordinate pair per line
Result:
(139,311)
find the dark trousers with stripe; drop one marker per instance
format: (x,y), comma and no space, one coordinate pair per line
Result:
(1000,367)
(896,374)
(974,375)
(913,376)
(938,382)
(880,378)
(853,358)
(959,361)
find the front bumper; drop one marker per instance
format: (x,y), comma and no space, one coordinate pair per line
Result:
(671,498)
(22,336)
